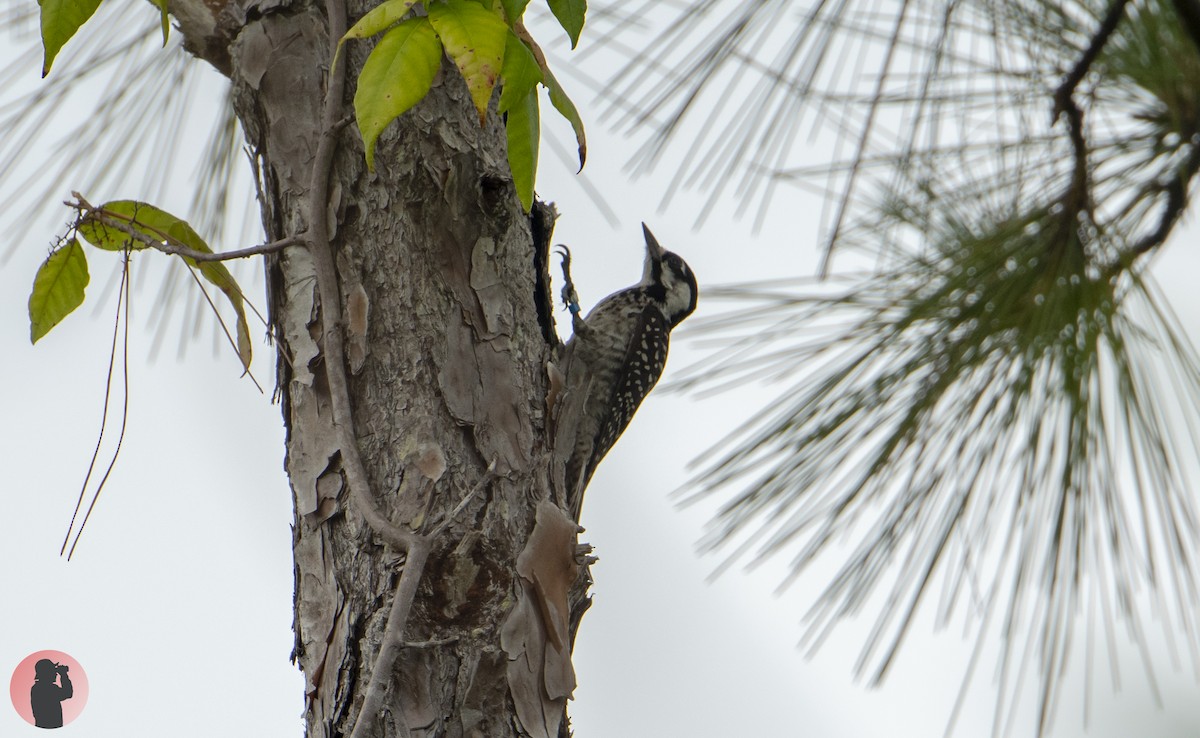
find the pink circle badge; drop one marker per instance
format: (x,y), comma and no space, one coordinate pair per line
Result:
(49,689)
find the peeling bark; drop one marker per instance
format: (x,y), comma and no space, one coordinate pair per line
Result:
(448,342)
(535,634)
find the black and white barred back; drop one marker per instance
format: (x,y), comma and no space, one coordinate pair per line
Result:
(623,342)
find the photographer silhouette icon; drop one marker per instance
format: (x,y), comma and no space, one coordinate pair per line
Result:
(48,689)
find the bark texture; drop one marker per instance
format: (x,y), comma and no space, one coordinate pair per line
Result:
(447,363)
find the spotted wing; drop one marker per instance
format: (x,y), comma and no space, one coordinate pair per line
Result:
(645,357)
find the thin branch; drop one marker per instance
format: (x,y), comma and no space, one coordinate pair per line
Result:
(393,638)
(416,547)
(1078,196)
(168,244)
(112,360)
(331,304)
(200,256)
(123,294)
(1062,96)
(1177,201)
(1188,12)
(470,495)
(406,590)
(221,322)
(1064,105)
(431,643)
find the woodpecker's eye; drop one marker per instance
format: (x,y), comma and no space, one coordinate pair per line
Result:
(678,266)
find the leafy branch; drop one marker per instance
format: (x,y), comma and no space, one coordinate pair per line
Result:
(489,45)
(128,225)
(163,240)
(478,37)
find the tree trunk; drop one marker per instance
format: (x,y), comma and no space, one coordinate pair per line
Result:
(446,358)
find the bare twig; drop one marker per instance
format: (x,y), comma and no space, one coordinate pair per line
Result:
(406,590)
(1177,189)
(122,301)
(1078,198)
(393,641)
(331,304)
(487,477)
(1064,105)
(431,643)
(415,547)
(112,360)
(1062,96)
(221,322)
(200,256)
(167,243)
(1177,200)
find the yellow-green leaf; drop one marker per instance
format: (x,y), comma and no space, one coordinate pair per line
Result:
(143,218)
(166,21)
(563,104)
(60,20)
(57,289)
(570,14)
(474,38)
(396,76)
(102,235)
(218,274)
(378,20)
(163,226)
(522,126)
(520,74)
(514,9)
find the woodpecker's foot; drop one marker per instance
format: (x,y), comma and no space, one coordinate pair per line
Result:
(570,297)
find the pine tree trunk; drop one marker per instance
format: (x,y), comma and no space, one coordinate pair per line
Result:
(446,359)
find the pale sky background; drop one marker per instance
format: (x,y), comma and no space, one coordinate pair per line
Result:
(178,603)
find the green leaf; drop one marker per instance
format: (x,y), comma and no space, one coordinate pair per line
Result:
(395,77)
(60,20)
(103,236)
(570,15)
(141,217)
(520,74)
(166,22)
(563,104)
(163,226)
(218,274)
(514,9)
(475,38)
(57,289)
(378,20)
(522,126)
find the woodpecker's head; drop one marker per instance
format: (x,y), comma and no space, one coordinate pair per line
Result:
(669,279)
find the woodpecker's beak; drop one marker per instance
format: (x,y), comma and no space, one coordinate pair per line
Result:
(653,250)
(652,266)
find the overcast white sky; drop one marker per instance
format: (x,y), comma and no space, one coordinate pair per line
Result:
(178,603)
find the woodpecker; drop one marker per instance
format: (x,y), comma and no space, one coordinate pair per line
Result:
(619,350)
